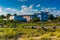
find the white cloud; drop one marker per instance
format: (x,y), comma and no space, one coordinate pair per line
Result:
(23,6)
(35,10)
(38,5)
(52,11)
(13,10)
(42,8)
(0,9)
(23,10)
(45,9)
(5,11)
(26,10)
(22,0)
(55,12)
(31,6)
(48,9)
(53,8)
(7,8)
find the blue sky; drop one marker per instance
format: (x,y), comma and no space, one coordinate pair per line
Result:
(17,3)
(22,5)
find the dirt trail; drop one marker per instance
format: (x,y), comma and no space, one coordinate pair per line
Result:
(53,38)
(29,38)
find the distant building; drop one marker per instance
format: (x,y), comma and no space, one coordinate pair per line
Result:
(43,16)
(26,17)
(19,18)
(11,18)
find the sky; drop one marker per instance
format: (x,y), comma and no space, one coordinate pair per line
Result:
(29,6)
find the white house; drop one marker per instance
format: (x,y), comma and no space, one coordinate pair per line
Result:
(11,18)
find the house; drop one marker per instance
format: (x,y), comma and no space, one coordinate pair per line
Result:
(11,17)
(19,18)
(26,17)
(43,16)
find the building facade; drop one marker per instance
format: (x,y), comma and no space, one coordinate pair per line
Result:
(11,18)
(43,16)
(26,18)
(19,18)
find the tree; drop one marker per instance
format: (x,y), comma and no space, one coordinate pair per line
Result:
(15,14)
(58,19)
(2,16)
(8,15)
(51,17)
(57,16)
(36,19)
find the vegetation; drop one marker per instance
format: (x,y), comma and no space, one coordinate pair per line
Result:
(13,30)
(36,19)
(31,34)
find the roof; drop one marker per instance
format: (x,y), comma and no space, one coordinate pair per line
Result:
(25,14)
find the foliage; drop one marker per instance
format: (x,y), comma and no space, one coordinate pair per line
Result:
(36,19)
(51,17)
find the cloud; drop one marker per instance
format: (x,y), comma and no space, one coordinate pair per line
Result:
(35,10)
(13,10)
(31,6)
(7,9)
(42,8)
(51,11)
(48,9)
(55,12)
(22,0)
(26,10)
(2,12)
(38,5)
(23,6)
(53,8)
(0,9)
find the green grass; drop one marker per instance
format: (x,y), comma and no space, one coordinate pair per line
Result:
(8,32)
(38,24)
(29,32)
